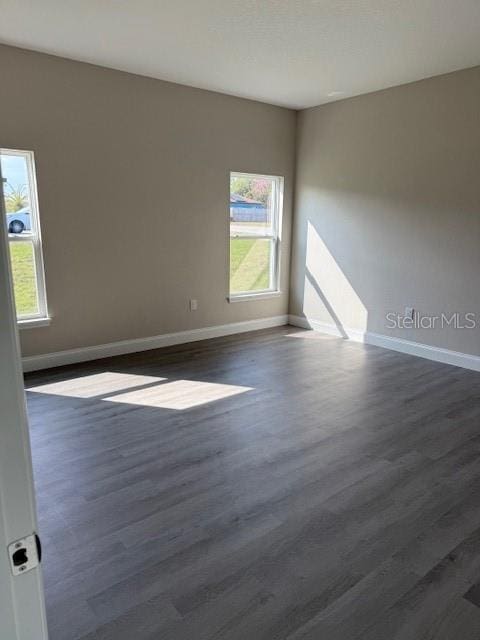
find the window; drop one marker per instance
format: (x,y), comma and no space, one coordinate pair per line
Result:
(255,223)
(24,239)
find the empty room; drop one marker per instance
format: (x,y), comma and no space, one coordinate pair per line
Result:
(240,320)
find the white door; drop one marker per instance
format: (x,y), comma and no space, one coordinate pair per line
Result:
(22,607)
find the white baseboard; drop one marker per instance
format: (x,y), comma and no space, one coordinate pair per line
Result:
(445,356)
(72,356)
(85,354)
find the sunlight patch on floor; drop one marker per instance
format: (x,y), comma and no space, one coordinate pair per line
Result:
(179,394)
(310,334)
(95,385)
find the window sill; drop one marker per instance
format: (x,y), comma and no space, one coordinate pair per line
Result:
(33,323)
(244,297)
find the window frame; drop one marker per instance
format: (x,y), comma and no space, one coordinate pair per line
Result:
(274,237)
(41,317)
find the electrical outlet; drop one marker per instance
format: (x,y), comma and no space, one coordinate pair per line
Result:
(409,312)
(193,305)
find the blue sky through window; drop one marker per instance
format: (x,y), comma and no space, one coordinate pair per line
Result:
(14,170)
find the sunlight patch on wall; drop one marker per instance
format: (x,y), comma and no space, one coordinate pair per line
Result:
(95,385)
(329,297)
(179,394)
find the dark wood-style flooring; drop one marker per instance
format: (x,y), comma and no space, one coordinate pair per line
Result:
(285,486)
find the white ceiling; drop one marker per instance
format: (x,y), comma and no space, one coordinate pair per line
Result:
(295,53)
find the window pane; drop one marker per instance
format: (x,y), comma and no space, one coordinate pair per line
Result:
(250,261)
(16,193)
(24,278)
(251,205)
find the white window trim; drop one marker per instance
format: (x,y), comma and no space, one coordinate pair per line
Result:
(245,297)
(275,237)
(41,318)
(33,323)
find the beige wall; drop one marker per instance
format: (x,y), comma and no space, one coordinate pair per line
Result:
(388,208)
(133,180)
(133,188)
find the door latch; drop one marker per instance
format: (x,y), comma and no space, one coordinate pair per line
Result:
(25,554)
